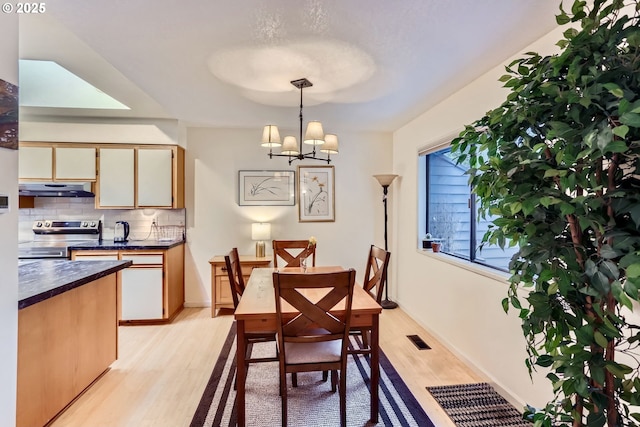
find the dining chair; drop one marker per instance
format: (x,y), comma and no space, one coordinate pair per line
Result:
(375,280)
(312,338)
(289,252)
(236,282)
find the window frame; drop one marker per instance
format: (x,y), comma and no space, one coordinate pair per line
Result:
(473,213)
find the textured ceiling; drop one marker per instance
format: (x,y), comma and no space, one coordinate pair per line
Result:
(375,64)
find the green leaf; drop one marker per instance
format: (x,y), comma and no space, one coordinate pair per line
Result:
(633,271)
(621,131)
(600,339)
(614,89)
(630,119)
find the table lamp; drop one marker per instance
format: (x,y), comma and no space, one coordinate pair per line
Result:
(260,231)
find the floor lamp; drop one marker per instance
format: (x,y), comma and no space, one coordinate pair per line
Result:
(385,181)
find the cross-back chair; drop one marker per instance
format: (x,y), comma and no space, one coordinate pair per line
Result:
(236,282)
(375,280)
(310,337)
(289,252)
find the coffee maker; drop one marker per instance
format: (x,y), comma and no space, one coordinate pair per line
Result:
(121,231)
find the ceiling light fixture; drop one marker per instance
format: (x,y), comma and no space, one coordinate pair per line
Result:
(314,136)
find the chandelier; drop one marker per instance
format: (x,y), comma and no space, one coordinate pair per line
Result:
(314,136)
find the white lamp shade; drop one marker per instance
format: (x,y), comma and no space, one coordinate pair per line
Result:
(330,144)
(385,179)
(314,134)
(260,231)
(270,136)
(290,146)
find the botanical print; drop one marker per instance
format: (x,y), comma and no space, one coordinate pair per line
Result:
(316,193)
(8,115)
(266,188)
(316,197)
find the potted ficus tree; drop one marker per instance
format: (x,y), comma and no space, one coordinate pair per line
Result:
(558,164)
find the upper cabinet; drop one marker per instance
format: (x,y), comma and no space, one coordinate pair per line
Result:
(140,177)
(115,187)
(47,162)
(126,176)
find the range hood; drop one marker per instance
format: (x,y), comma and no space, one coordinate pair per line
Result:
(56,189)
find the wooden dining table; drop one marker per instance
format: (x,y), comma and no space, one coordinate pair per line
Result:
(256,312)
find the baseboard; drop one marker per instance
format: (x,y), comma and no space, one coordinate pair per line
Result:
(197,304)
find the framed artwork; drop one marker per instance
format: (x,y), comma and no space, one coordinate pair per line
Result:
(266,188)
(316,190)
(8,115)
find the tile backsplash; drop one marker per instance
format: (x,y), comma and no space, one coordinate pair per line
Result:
(77,208)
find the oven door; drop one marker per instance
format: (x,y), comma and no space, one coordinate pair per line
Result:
(43,250)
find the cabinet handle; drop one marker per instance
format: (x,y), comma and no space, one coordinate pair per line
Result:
(224,269)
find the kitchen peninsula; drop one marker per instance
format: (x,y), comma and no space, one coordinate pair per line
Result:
(67,333)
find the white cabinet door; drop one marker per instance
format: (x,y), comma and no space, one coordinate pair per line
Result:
(35,163)
(116,183)
(75,163)
(155,171)
(141,293)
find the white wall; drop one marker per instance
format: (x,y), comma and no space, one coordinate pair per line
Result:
(9,240)
(461,307)
(215,222)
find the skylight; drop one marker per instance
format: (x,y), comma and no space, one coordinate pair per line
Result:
(47,84)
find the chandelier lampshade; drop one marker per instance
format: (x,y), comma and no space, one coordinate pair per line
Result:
(314,134)
(290,146)
(330,145)
(271,136)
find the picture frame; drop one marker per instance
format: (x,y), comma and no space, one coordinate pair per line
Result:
(266,188)
(316,194)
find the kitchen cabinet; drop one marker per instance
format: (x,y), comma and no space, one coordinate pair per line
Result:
(56,162)
(35,163)
(140,177)
(116,178)
(142,288)
(152,289)
(220,287)
(75,163)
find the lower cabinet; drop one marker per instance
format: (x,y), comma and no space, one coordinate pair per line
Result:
(142,293)
(152,289)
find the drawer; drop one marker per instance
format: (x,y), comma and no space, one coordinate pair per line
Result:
(144,259)
(221,270)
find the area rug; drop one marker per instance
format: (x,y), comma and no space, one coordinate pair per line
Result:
(311,403)
(477,405)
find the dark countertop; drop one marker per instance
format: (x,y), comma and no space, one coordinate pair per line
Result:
(41,280)
(110,245)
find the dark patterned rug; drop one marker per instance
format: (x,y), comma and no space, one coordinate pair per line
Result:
(477,405)
(311,403)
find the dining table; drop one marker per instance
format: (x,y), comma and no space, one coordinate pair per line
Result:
(256,312)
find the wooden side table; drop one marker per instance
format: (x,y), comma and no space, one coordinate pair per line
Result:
(220,288)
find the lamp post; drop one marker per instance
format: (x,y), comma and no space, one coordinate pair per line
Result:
(385,180)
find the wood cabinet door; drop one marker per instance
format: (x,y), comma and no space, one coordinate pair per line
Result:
(75,163)
(35,163)
(116,183)
(155,177)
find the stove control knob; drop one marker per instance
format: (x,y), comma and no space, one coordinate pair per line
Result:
(47,223)
(93,224)
(85,224)
(39,224)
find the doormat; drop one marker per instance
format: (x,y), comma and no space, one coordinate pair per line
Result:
(477,405)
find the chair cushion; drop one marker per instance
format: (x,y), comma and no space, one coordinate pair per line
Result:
(315,352)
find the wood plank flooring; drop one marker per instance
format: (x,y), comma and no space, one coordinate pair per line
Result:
(162,370)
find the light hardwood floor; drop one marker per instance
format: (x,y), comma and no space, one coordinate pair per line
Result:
(161,371)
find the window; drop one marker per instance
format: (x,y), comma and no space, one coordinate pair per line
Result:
(450,212)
